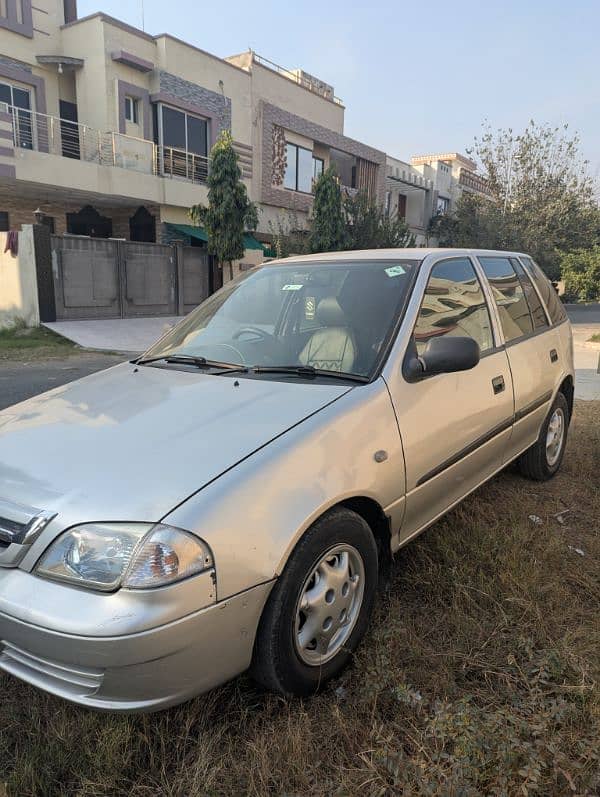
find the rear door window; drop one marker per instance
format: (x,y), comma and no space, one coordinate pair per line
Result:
(509,296)
(555,308)
(538,313)
(454,304)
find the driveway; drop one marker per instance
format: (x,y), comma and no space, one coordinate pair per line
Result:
(131,335)
(20,380)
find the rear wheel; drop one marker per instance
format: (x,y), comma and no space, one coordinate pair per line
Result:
(544,458)
(320,607)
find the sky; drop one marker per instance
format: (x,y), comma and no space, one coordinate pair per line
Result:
(416,77)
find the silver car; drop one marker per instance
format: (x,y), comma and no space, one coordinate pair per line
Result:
(232,499)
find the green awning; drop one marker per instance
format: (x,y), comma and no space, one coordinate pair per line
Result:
(190,231)
(199,233)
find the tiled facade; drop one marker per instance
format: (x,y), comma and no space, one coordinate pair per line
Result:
(273,117)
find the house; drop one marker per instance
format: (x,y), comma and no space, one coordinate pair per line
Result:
(107,130)
(450,173)
(409,196)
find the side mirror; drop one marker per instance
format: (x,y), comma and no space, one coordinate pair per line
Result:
(444,355)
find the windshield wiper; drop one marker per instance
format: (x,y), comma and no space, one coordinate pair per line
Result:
(199,362)
(308,372)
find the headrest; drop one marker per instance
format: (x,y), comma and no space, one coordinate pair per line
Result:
(330,314)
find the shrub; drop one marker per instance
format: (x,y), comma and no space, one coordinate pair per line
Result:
(581,272)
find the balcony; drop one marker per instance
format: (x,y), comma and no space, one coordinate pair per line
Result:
(40,132)
(470,181)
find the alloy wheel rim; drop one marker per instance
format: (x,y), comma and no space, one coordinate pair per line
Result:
(555,436)
(329,605)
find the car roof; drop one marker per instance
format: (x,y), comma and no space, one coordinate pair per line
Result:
(415,253)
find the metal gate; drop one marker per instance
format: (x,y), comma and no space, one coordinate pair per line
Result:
(194,275)
(106,278)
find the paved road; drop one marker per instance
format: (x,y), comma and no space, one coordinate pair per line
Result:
(21,380)
(583,313)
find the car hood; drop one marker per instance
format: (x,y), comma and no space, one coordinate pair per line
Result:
(131,443)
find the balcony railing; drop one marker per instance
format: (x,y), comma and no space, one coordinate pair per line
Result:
(294,76)
(179,163)
(51,134)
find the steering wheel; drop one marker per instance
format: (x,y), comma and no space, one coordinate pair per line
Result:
(260,333)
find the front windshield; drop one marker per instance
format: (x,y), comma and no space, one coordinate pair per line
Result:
(333,317)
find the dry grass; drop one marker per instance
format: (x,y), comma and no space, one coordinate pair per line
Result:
(480,677)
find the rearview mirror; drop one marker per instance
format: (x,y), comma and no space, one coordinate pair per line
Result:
(444,355)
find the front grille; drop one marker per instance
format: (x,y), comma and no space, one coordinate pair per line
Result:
(50,675)
(20,526)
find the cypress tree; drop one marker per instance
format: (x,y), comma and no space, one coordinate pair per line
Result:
(328,228)
(230,212)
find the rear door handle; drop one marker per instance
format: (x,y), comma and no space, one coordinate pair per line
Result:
(553,356)
(498,384)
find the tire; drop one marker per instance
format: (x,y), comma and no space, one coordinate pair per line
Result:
(334,568)
(543,460)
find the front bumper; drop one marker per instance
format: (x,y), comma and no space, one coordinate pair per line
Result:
(146,671)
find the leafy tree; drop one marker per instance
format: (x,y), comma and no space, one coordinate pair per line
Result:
(541,197)
(581,273)
(230,212)
(328,231)
(369,227)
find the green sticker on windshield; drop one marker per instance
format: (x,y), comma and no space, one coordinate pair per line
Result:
(395,271)
(292,287)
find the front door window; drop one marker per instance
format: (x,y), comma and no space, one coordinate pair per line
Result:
(454,304)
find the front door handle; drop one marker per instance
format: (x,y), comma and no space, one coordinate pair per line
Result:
(553,356)
(498,384)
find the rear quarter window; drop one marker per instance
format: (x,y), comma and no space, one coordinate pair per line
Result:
(555,308)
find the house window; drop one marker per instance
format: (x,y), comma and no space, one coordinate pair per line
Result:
(183,143)
(132,110)
(344,166)
(15,15)
(318,166)
(401,206)
(18,102)
(183,131)
(4,222)
(442,205)
(299,170)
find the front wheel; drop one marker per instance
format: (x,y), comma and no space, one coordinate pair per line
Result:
(544,458)
(319,610)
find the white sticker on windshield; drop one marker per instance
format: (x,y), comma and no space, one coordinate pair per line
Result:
(395,271)
(292,287)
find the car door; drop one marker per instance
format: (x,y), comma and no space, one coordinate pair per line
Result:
(531,344)
(455,426)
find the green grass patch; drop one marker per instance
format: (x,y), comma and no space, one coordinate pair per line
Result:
(595,338)
(480,676)
(38,342)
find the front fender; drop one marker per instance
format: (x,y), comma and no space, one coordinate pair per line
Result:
(253,515)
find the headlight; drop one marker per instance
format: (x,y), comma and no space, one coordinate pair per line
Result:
(106,556)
